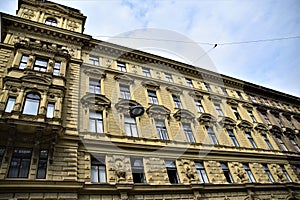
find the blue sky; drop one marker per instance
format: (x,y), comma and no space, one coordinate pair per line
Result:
(273,64)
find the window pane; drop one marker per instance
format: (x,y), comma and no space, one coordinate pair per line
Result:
(20,163)
(50,110)
(56,69)
(31,105)
(10,104)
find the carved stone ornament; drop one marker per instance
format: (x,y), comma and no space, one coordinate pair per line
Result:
(72,25)
(158,112)
(227,123)
(245,125)
(174,90)
(277,131)
(215,98)
(232,102)
(124,105)
(97,102)
(124,79)
(184,115)
(150,85)
(261,128)
(196,94)
(94,73)
(207,119)
(28,13)
(36,78)
(248,106)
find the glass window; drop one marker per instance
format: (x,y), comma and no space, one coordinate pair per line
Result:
(219,110)
(23,62)
(32,103)
(188,133)
(94,60)
(172,171)
(130,126)
(295,145)
(152,97)
(125,92)
(42,165)
(227,173)
(50,110)
(251,140)
(169,77)
(51,21)
(137,168)
(233,138)
(121,66)
(98,171)
(10,104)
(224,91)
(266,169)
(207,86)
(96,122)
(20,163)
(266,118)
(267,141)
(285,173)
(2,151)
(239,95)
(40,65)
(281,144)
(161,130)
(252,116)
(201,172)
(212,135)
(189,82)
(249,173)
(199,106)
(177,101)
(236,113)
(56,68)
(146,72)
(95,87)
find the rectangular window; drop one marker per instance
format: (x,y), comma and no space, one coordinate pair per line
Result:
(169,77)
(249,173)
(189,82)
(285,173)
(98,171)
(121,66)
(266,118)
(281,144)
(95,87)
(251,140)
(137,168)
(267,141)
(266,169)
(224,91)
(20,163)
(188,133)
(219,110)
(172,171)
(40,65)
(177,101)
(50,110)
(94,60)
(23,62)
(199,106)
(2,151)
(146,72)
(10,104)
(207,86)
(212,135)
(152,97)
(161,130)
(227,173)
(201,172)
(252,116)
(239,95)
(125,92)
(236,113)
(233,138)
(96,122)
(278,120)
(130,126)
(296,147)
(56,68)
(42,165)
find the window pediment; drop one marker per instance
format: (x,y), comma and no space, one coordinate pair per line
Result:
(261,127)
(245,125)
(248,106)
(184,115)
(124,104)
(227,122)
(215,98)
(158,112)
(95,73)
(37,78)
(289,133)
(196,94)
(98,102)
(232,102)
(150,85)
(276,130)
(174,90)
(207,119)
(124,79)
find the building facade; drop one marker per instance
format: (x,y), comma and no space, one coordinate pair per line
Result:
(70,128)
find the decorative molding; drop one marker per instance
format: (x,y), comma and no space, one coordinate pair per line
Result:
(248,106)
(184,115)
(150,85)
(227,123)
(232,102)
(124,79)
(196,94)
(207,119)
(174,90)
(94,73)
(124,104)
(97,102)
(158,112)
(245,125)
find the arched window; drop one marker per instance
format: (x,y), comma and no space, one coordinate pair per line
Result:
(51,21)
(32,103)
